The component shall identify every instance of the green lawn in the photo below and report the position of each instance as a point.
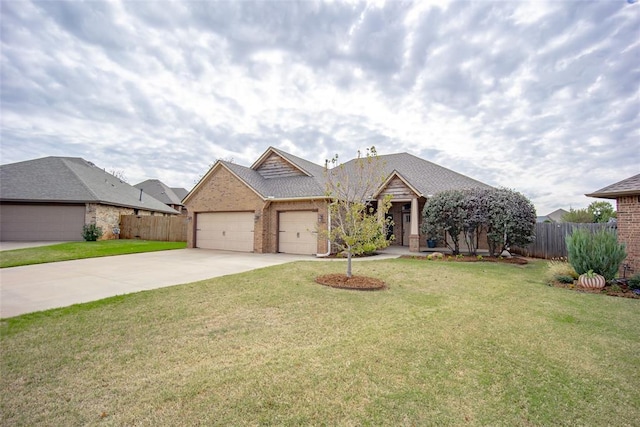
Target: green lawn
(447, 344)
(80, 250)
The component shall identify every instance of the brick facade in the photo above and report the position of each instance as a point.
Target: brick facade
(628, 210)
(224, 192)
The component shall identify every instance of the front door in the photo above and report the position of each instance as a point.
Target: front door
(406, 227)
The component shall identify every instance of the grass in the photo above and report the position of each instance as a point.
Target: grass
(447, 344)
(80, 250)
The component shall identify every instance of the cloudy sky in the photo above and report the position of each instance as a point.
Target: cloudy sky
(541, 97)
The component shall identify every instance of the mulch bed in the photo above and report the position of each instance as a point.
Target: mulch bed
(357, 283)
(620, 291)
(470, 258)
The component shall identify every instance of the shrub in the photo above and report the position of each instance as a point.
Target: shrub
(634, 281)
(91, 232)
(598, 251)
(560, 271)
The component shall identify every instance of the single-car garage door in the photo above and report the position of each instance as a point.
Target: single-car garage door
(297, 232)
(41, 222)
(229, 231)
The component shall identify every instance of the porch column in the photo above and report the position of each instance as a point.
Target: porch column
(414, 237)
(379, 212)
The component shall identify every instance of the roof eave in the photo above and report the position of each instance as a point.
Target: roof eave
(613, 194)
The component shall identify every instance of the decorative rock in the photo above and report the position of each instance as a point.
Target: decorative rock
(505, 254)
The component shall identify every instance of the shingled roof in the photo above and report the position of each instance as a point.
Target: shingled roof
(70, 180)
(425, 177)
(626, 187)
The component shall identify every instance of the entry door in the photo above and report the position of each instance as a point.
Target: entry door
(297, 233)
(406, 227)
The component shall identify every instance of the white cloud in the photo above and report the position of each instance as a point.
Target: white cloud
(538, 96)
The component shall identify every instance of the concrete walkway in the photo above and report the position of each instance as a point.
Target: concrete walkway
(60, 284)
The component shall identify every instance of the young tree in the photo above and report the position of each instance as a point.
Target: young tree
(578, 216)
(601, 211)
(446, 212)
(356, 228)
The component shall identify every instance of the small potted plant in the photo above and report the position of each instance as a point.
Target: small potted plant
(591, 280)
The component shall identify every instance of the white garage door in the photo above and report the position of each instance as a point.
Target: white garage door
(35, 222)
(229, 231)
(297, 232)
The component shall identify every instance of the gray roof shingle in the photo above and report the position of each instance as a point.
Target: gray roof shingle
(158, 190)
(70, 180)
(426, 177)
(626, 187)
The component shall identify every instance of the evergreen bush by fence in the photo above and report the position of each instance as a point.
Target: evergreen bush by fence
(161, 228)
(550, 238)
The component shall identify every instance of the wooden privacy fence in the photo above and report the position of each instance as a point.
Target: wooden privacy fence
(162, 228)
(550, 238)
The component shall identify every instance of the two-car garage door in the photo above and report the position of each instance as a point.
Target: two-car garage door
(41, 222)
(234, 231)
(229, 231)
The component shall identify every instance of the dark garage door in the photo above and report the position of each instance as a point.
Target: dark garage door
(41, 222)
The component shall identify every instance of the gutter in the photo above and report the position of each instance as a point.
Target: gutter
(328, 234)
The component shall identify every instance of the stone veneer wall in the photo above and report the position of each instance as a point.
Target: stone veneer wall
(108, 217)
(628, 210)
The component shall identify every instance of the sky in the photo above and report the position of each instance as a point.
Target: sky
(541, 97)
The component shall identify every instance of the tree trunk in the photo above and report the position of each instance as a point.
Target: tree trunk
(348, 263)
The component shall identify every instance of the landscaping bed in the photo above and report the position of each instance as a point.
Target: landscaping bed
(613, 290)
(468, 258)
(360, 283)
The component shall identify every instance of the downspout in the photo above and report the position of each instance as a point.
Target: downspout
(328, 234)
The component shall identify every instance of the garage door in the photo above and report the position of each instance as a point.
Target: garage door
(297, 232)
(229, 231)
(47, 223)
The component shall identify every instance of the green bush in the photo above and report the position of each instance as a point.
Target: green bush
(91, 232)
(560, 271)
(562, 278)
(634, 281)
(598, 251)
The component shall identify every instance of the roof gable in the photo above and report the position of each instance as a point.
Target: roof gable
(398, 187)
(70, 180)
(276, 166)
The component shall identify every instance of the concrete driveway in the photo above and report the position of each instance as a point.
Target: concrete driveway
(60, 284)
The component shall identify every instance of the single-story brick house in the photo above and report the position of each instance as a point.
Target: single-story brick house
(627, 196)
(52, 198)
(278, 204)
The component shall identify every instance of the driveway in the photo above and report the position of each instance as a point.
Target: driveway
(60, 284)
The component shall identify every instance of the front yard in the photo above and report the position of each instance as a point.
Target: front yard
(445, 344)
(80, 250)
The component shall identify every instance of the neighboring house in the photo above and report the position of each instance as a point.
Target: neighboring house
(52, 198)
(279, 203)
(555, 216)
(627, 196)
(171, 197)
